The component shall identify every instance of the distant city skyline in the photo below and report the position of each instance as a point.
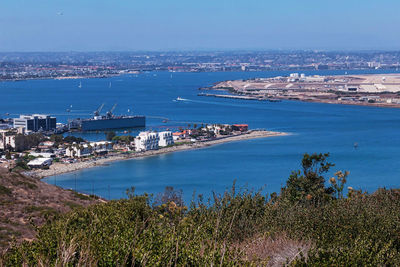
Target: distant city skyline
(159, 25)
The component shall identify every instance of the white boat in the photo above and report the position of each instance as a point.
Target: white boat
(80, 85)
(180, 99)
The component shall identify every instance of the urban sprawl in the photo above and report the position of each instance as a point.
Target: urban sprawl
(21, 66)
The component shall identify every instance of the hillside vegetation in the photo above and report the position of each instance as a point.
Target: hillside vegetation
(310, 222)
(27, 203)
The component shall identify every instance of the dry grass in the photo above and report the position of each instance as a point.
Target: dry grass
(26, 202)
(273, 251)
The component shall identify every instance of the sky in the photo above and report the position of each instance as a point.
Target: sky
(164, 25)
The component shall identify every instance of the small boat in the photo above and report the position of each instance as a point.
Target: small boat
(180, 99)
(356, 145)
(80, 85)
(165, 121)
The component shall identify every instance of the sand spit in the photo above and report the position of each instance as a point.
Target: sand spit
(60, 168)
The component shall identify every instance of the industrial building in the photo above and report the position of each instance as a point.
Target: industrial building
(36, 122)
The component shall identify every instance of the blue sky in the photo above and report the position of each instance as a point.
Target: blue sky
(100, 25)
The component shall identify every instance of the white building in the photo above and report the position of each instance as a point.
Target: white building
(85, 150)
(101, 147)
(40, 162)
(7, 139)
(315, 78)
(166, 139)
(216, 128)
(78, 150)
(147, 141)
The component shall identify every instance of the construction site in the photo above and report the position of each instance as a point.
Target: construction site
(376, 90)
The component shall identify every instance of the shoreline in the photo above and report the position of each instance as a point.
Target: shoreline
(62, 168)
(322, 101)
(372, 90)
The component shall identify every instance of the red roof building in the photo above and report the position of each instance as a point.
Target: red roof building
(240, 127)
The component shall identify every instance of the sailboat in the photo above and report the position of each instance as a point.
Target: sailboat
(80, 85)
(69, 109)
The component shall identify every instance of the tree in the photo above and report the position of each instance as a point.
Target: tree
(72, 139)
(24, 142)
(57, 139)
(22, 164)
(110, 135)
(308, 184)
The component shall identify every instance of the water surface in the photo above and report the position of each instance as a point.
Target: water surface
(257, 163)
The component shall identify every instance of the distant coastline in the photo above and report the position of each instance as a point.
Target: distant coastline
(322, 101)
(378, 90)
(62, 78)
(61, 168)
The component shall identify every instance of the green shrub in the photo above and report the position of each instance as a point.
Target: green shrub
(5, 190)
(357, 230)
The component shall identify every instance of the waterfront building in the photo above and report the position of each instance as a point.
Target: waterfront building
(36, 122)
(147, 141)
(78, 150)
(217, 128)
(166, 139)
(101, 147)
(87, 149)
(177, 135)
(240, 127)
(40, 162)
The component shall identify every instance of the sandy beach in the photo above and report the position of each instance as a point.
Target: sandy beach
(60, 168)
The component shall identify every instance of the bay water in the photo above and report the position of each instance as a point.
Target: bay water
(259, 163)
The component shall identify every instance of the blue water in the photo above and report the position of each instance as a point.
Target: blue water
(256, 163)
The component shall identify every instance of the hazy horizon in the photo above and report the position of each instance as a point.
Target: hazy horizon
(177, 25)
(215, 51)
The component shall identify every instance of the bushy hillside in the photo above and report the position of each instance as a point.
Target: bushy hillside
(309, 222)
(26, 203)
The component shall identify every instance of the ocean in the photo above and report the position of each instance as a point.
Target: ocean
(255, 164)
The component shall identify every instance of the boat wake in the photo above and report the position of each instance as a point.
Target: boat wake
(180, 99)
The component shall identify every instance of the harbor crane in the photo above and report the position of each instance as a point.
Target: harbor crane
(110, 112)
(97, 111)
